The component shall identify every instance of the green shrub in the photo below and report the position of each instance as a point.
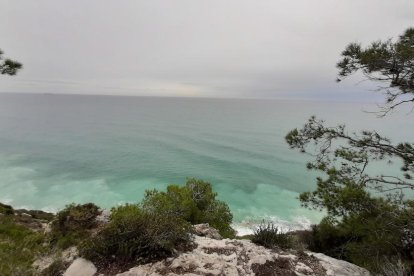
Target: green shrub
(6, 209)
(268, 235)
(195, 202)
(19, 247)
(36, 214)
(368, 238)
(134, 235)
(72, 224)
(55, 269)
(395, 267)
(176, 201)
(328, 239)
(75, 217)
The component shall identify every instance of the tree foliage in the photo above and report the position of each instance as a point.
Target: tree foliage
(8, 66)
(390, 62)
(368, 214)
(369, 219)
(195, 202)
(345, 159)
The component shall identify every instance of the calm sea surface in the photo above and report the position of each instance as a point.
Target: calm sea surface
(58, 149)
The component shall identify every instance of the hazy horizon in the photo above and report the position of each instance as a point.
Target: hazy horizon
(214, 49)
(321, 100)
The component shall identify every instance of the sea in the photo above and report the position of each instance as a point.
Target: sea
(58, 149)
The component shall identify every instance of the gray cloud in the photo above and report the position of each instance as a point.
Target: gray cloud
(230, 48)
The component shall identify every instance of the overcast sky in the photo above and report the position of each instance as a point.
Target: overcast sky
(202, 48)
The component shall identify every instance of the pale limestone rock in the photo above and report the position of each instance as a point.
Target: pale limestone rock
(68, 255)
(224, 257)
(212, 257)
(43, 263)
(335, 267)
(104, 216)
(303, 269)
(242, 258)
(80, 267)
(206, 231)
(47, 227)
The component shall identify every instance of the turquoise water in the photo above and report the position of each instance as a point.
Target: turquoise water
(58, 149)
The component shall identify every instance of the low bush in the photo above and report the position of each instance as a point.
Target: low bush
(57, 268)
(394, 267)
(369, 238)
(268, 235)
(71, 225)
(134, 236)
(195, 202)
(36, 214)
(327, 238)
(6, 209)
(19, 247)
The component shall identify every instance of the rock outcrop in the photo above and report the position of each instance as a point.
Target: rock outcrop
(338, 267)
(242, 257)
(214, 256)
(204, 230)
(81, 267)
(67, 257)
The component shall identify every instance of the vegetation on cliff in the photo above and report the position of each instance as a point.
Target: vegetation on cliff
(135, 236)
(20, 241)
(157, 227)
(195, 203)
(73, 224)
(370, 222)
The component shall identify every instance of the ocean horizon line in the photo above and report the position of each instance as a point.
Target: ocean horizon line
(197, 97)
